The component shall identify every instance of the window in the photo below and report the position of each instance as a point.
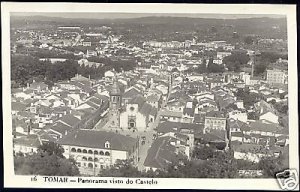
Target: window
(101, 153)
(84, 158)
(131, 108)
(90, 159)
(84, 151)
(96, 159)
(107, 153)
(107, 144)
(78, 150)
(73, 150)
(90, 152)
(96, 152)
(90, 165)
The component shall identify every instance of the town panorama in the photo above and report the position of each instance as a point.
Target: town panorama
(149, 96)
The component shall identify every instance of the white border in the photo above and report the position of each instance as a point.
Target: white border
(10, 180)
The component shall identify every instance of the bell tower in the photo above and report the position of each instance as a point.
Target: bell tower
(115, 103)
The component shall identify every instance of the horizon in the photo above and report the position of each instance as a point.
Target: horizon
(116, 15)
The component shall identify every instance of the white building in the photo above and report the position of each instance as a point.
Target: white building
(94, 150)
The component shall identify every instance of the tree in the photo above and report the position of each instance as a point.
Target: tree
(260, 68)
(271, 165)
(236, 60)
(41, 163)
(214, 68)
(248, 40)
(203, 153)
(122, 168)
(51, 148)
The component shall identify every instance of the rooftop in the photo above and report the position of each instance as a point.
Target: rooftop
(97, 139)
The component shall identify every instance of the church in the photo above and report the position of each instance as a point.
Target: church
(138, 114)
(134, 115)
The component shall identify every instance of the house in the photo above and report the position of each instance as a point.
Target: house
(253, 152)
(59, 129)
(179, 130)
(173, 116)
(269, 116)
(154, 100)
(214, 120)
(215, 126)
(70, 121)
(38, 86)
(26, 145)
(188, 112)
(177, 105)
(263, 127)
(96, 150)
(163, 151)
(238, 115)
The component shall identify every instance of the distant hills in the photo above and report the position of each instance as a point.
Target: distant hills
(264, 26)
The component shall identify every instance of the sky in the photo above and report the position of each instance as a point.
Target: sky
(137, 15)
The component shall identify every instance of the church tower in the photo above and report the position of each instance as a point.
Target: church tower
(115, 103)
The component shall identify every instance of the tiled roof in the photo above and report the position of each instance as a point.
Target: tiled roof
(29, 141)
(131, 93)
(161, 154)
(171, 113)
(215, 114)
(61, 128)
(69, 120)
(168, 126)
(97, 139)
(265, 127)
(18, 106)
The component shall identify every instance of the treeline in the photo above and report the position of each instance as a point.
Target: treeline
(25, 69)
(117, 64)
(264, 60)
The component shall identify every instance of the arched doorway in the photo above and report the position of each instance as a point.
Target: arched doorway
(131, 124)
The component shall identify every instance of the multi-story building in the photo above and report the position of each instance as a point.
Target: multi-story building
(214, 122)
(276, 76)
(94, 150)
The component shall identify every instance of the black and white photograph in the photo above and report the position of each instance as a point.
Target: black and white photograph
(112, 97)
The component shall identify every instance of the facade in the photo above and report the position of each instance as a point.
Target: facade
(138, 115)
(276, 77)
(95, 150)
(216, 123)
